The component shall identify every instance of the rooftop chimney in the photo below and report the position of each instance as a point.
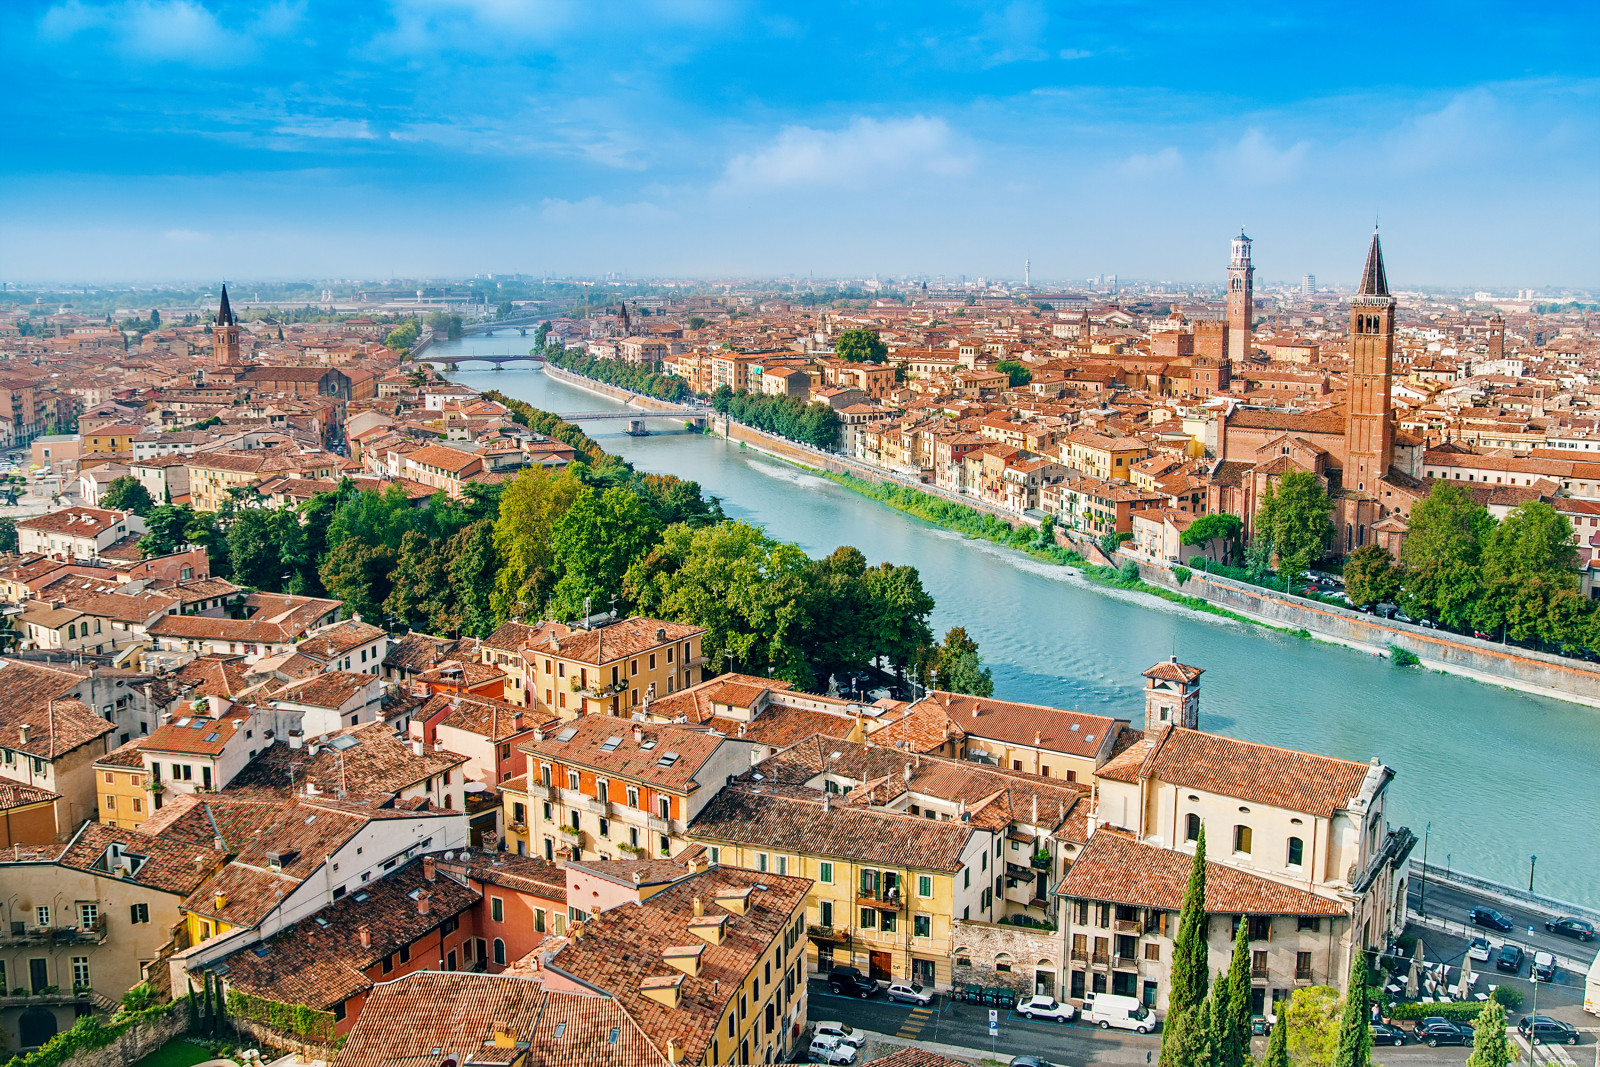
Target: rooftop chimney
(638, 734)
(504, 1036)
(23, 730)
(364, 932)
(699, 907)
(424, 902)
(430, 868)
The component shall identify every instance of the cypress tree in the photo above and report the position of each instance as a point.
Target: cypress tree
(1184, 1039)
(1355, 1029)
(1489, 1045)
(1232, 1027)
(208, 1014)
(194, 1010)
(1278, 1043)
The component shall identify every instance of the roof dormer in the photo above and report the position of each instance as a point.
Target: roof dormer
(663, 988)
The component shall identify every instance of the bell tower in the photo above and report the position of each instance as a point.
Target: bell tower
(1369, 424)
(1241, 298)
(225, 334)
(1497, 336)
(1172, 696)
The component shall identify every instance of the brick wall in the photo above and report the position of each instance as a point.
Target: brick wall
(989, 944)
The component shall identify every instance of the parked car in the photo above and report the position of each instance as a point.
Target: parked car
(849, 982)
(1030, 1061)
(1544, 967)
(1384, 1034)
(1509, 959)
(827, 1050)
(1479, 949)
(1123, 1012)
(1567, 926)
(1435, 1031)
(909, 993)
(1543, 1030)
(841, 1033)
(1042, 1007)
(1490, 918)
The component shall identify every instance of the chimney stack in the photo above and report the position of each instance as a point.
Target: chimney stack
(638, 734)
(365, 933)
(424, 902)
(23, 730)
(699, 907)
(430, 868)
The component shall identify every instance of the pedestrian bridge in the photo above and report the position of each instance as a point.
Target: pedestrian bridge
(636, 417)
(497, 360)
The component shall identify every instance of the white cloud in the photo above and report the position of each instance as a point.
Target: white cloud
(1150, 164)
(168, 30)
(1074, 53)
(333, 129)
(1256, 160)
(867, 152)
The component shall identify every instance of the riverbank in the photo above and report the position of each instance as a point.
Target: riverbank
(1482, 661)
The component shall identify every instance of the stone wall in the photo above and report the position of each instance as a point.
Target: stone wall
(135, 1042)
(1534, 672)
(261, 1033)
(1027, 951)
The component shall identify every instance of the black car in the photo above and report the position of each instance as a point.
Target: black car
(1509, 959)
(1384, 1034)
(1569, 927)
(1435, 1031)
(1490, 918)
(1547, 1031)
(849, 982)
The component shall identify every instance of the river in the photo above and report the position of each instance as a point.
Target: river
(1500, 775)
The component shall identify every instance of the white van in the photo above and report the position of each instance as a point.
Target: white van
(1125, 1013)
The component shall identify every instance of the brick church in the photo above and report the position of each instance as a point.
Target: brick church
(1370, 467)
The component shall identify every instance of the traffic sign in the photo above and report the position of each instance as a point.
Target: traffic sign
(994, 1022)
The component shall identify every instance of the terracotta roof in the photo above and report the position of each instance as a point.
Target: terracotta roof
(78, 521)
(417, 652)
(334, 641)
(369, 760)
(1261, 774)
(617, 640)
(30, 696)
(621, 950)
(1172, 671)
(800, 823)
(16, 795)
(330, 689)
(171, 860)
(643, 757)
(1114, 867)
(213, 675)
(194, 735)
(1074, 733)
(429, 1016)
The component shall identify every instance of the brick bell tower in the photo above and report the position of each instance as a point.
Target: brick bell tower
(225, 334)
(1241, 298)
(1172, 696)
(1369, 424)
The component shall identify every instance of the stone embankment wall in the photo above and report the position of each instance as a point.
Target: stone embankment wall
(1517, 668)
(134, 1043)
(615, 392)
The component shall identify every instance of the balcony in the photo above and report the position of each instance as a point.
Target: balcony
(601, 808)
(1124, 963)
(1101, 959)
(55, 999)
(1258, 974)
(658, 825)
(538, 791)
(20, 934)
(882, 901)
(817, 932)
(1081, 955)
(1129, 926)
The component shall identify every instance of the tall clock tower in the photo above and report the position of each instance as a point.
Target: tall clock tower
(1241, 298)
(225, 334)
(1369, 425)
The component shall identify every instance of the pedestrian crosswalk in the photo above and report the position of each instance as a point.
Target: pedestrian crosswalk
(1547, 1055)
(912, 1027)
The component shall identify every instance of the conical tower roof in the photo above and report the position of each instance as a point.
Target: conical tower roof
(1374, 282)
(225, 311)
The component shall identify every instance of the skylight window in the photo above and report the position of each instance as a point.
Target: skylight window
(611, 744)
(567, 735)
(667, 759)
(362, 897)
(342, 743)
(561, 1028)
(1073, 727)
(211, 737)
(648, 744)
(182, 722)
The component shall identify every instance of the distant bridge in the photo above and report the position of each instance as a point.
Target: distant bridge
(641, 413)
(511, 322)
(456, 361)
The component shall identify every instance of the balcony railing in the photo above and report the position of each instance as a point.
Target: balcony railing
(1081, 954)
(658, 825)
(1125, 963)
(1101, 959)
(19, 934)
(881, 901)
(828, 933)
(538, 791)
(599, 807)
(1129, 926)
(1259, 974)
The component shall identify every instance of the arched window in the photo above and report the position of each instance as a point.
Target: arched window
(72, 630)
(1297, 852)
(1002, 962)
(1241, 839)
(1191, 827)
(500, 952)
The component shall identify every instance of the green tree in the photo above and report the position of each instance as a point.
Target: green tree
(594, 543)
(960, 668)
(359, 574)
(696, 322)
(1354, 1048)
(1231, 1025)
(1370, 576)
(8, 536)
(898, 609)
(1533, 542)
(165, 529)
(1312, 1022)
(254, 551)
(127, 493)
(1184, 1039)
(1278, 1046)
(1209, 530)
(860, 346)
(1442, 554)
(1489, 1045)
(1294, 518)
(420, 595)
(529, 509)
(1016, 372)
(474, 564)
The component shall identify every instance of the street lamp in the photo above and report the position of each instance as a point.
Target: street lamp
(1532, 862)
(1422, 895)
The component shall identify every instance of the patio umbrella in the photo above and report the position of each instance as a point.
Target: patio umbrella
(1412, 976)
(1464, 990)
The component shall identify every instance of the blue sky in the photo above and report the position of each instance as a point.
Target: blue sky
(193, 139)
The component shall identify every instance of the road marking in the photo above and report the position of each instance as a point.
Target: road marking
(1547, 1053)
(914, 1023)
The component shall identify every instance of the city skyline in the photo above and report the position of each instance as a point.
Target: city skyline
(432, 138)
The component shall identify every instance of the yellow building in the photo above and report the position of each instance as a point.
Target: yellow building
(1105, 457)
(886, 886)
(123, 785)
(608, 668)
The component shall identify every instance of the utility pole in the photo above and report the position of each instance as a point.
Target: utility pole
(1422, 895)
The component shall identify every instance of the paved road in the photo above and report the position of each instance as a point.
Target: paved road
(1071, 1043)
(1452, 904)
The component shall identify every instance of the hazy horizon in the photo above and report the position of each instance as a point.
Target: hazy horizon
(684, 139)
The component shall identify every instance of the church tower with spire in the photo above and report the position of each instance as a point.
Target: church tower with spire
(225, 334)
(1241, 298)
(1369, 422)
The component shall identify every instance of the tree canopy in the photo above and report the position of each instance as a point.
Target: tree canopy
(1293, 518)
(860, 346)
(127, 493)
